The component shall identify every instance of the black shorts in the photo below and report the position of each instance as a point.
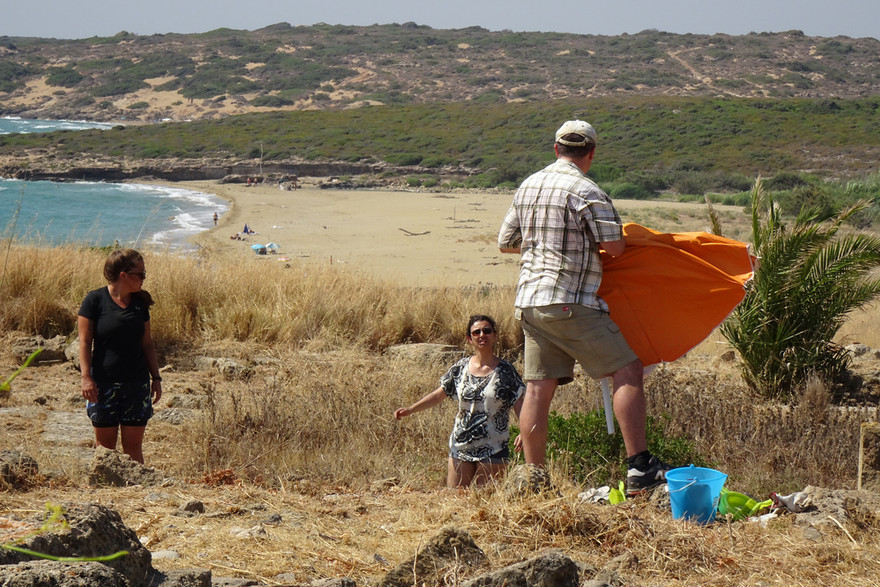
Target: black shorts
(121, 404)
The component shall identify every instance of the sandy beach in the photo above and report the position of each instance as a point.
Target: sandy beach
(410, 238)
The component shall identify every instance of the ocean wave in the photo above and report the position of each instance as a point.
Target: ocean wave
(16, 124)
(188, 221)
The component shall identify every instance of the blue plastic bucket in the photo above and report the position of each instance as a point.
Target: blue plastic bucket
(694, 492)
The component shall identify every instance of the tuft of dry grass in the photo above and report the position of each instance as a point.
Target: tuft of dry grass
(200, 300)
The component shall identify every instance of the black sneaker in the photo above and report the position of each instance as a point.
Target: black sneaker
(641, 481)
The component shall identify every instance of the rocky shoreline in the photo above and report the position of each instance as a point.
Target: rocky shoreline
(35, 169)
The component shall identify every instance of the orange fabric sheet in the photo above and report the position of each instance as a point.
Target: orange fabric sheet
(668, 292)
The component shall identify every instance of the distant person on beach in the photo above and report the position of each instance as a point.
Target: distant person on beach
(557, 222)
(216, 218)
(120, 371)
(486, 388)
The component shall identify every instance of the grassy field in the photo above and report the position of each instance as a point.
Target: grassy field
(327, 330)
(306, 428)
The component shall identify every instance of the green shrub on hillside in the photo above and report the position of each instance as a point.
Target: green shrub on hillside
(271, 101)
(10, 74)
(404, 158)
(66, 77)
(630, 191)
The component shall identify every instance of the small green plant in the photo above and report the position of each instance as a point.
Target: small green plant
(581, 443)
(6, 386)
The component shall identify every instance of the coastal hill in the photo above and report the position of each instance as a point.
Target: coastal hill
(332, 67)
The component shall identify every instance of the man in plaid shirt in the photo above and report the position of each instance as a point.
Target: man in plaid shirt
(558, 221)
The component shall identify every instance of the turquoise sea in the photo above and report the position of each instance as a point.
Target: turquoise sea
(98, 213)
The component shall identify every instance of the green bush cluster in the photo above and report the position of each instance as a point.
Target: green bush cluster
(581, 445)
(66, 77)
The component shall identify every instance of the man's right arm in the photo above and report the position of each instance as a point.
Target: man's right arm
(510, 237)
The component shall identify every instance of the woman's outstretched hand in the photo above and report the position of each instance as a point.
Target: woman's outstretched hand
(400, 413)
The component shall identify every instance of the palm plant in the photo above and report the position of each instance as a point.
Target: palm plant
(808, 281)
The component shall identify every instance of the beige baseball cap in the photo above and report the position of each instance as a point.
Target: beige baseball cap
(576, 127)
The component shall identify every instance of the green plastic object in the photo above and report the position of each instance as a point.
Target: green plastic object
(616, 496)
(740, 505)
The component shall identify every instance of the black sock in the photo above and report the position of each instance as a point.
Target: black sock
(639, 461)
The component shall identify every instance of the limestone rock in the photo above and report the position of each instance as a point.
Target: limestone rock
(857, 349)
(617, 568)
(59, 574)
(549, 569)
(449, 547)
(16, 469)
(341, 582)
(71, 353)
(53, 349)
(93, 530)
(109, 467)
(525, 480)
(181, 578)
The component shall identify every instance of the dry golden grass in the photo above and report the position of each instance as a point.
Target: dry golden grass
(306, 432)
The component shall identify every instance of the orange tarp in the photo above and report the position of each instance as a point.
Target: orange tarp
(668, 292)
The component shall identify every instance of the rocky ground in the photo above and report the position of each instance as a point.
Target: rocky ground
(214, 528)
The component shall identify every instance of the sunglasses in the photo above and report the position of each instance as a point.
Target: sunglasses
(485, 330)
(141, 274)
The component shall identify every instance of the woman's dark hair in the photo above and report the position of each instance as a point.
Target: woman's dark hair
(479, 318)
(125, 260)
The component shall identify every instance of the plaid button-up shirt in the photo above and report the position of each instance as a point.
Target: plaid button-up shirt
(557, 218)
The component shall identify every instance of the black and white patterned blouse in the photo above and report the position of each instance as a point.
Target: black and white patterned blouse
(484, 404)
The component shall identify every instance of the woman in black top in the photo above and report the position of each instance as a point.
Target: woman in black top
(120, 372)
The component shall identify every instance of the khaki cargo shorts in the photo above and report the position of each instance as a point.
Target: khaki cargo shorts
(558, 335)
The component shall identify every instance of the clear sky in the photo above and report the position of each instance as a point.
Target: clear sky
(77, 19)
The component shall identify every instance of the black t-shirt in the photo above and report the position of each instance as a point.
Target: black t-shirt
(117, 355)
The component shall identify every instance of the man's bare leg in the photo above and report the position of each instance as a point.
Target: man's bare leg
(533, 419)
(630, 407)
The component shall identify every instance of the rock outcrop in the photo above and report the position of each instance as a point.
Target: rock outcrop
(91, 531)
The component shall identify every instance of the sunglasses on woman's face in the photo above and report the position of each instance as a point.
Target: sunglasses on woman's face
(141, 274)
(485, 330)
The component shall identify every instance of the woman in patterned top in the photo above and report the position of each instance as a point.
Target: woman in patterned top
(486, 388)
